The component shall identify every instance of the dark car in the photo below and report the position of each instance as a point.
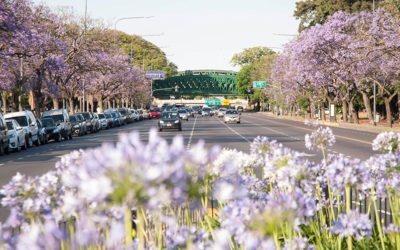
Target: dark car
(53, 131)
(61, 119)
(169, 120)
(117, 119)
(240, 109)
(77, 123)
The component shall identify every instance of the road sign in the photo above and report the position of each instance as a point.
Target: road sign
(155, 74)
(259, 84)
(213, 102)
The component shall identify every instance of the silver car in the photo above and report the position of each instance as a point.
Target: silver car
(183, 114)
(232, 115)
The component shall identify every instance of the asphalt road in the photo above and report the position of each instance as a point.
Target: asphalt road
(38, 160)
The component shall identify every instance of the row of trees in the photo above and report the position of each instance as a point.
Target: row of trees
(341, 62)
(52, 58)
(340, 57)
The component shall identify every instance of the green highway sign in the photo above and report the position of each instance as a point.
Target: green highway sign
(213, 102)
(259, 84)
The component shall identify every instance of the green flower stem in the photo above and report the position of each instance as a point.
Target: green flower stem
(377, 220)
(348, 203)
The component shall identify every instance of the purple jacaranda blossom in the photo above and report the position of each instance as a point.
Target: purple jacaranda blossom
(387, 142)
(353, 224)
(186, 237)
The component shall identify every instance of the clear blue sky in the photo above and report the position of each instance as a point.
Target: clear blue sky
(197, 34)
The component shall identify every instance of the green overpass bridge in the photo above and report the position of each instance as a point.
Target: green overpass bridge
(196, 83)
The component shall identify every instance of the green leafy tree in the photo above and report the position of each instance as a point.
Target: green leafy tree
(146, 55)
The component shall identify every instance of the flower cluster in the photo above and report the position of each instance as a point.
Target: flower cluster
(387, 142)
(256, 199)
(353, 224)
(320, 138)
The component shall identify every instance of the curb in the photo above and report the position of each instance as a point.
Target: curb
(363, 127)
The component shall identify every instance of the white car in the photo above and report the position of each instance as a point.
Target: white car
(16, 133)
(221, 112)
(183, 114)
(232, 115)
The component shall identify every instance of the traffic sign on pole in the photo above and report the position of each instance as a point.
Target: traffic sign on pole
(259, 84)
(155, 74)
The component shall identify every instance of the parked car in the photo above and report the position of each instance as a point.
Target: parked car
(27, 120)
(183, 114)
(16, 133)
(90, 121)
(4, 138)
(43, 136)
(169, 120)
(103, 121)
(77, 124)
(117, 119)
(155, 112)
(83, 122)
(52, 130)
(240, 109)
(110, 120)
(61, 118)
(232, 115)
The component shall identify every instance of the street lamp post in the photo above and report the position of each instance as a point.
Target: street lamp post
(126, 18)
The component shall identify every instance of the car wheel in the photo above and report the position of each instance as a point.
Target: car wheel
(25, 146)
(30, 142)
(1, 149)
(37, 143)
(58, 138)
(180, 128)
(160, 129)
(18, 146)
(70, 136)
(238, 122)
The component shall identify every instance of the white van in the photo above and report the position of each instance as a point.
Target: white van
(27, 120)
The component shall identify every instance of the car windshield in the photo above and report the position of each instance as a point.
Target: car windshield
(86, 115)
(155, 110)
(182, 111)
(233, 112)
(57, 118)
(48, 122)
(10, 125)
(169, 115)
(102, 116)
(21, 120)
(73, 118)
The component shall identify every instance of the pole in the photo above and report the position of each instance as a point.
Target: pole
(125, 18)
(374, 104)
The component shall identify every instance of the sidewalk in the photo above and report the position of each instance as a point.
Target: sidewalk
(364, 125)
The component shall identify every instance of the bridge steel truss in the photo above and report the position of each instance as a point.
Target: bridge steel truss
(193, 83)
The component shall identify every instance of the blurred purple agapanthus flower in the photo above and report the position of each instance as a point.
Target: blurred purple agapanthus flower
(352, 224)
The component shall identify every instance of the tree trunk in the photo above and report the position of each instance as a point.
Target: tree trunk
(388, 110)
(71, 105)
(367, 104)
(354, 113)
(33, 103)
(344, 111)
(55, 103)
(4, 102)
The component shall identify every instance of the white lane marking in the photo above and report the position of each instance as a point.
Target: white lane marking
(1, 164)
(191, 134)
(234, 131)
